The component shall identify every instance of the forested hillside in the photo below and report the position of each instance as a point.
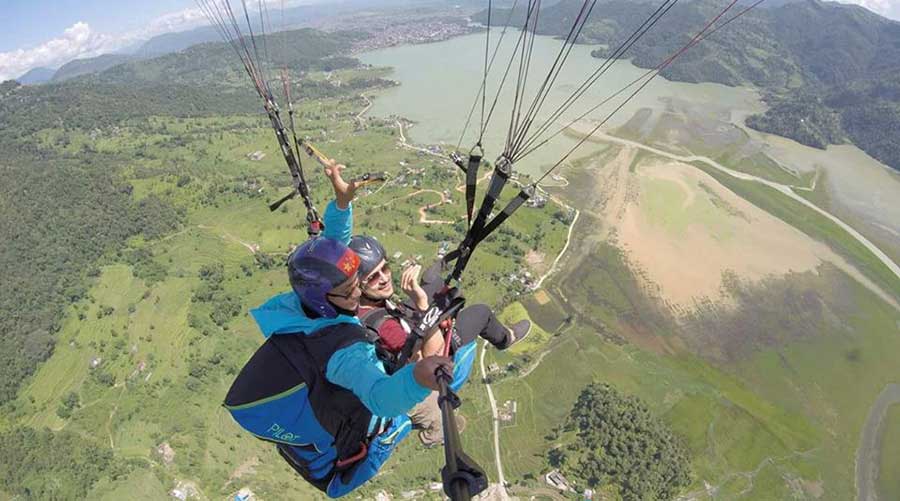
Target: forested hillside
(612, 441)
(830, 71)
(73, 213)
(64, 203)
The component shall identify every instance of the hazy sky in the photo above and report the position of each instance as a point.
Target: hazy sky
(887, 8)
(52, 32)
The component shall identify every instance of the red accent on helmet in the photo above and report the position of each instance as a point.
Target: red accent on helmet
(348, 263)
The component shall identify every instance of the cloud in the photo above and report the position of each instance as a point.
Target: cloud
(80, 41)
(886, 8)
(174, 21)
(76, 41)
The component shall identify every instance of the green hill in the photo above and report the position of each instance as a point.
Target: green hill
(90, 65)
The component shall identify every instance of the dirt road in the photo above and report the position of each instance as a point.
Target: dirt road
(867, 456)
(498, 490)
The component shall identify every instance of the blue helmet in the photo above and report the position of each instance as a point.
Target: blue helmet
(370, 252)
(317, 266)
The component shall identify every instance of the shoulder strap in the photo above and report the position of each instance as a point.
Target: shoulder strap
(372, 321)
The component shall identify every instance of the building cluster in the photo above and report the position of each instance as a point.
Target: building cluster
(507, 412)
(556, 480)
(523, 278)
(538, 201)
(387, 32)
(410, 177)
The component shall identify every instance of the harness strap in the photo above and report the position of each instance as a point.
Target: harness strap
(507, 211)
(374, 319)
(471, 182)
(499, 178)
(343, 463)
(314, 226)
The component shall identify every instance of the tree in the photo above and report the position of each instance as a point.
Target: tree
(620, 442)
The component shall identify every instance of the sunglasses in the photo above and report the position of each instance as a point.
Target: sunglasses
(384, 270)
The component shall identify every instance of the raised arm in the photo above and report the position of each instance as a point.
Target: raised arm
(338, 217)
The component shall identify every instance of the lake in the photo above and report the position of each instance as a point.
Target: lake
(439, 83)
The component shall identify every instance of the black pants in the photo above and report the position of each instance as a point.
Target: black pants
(472, 321)
(479, 320)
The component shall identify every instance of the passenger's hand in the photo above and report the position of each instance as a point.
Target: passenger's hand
(426, 369)
(409, 282)
(344, 192)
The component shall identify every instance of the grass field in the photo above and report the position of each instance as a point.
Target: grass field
(779, 424)
(667, 204)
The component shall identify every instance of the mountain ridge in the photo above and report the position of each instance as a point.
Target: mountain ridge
(36, 76)
(79, 67)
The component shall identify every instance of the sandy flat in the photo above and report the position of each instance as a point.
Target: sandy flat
(714, 231)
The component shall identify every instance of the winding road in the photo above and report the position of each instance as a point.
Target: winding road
(867, 456)
(498, 489)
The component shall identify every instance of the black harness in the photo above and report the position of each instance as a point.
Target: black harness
(373, 319)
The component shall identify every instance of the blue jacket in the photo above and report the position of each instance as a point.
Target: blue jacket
(355, 367)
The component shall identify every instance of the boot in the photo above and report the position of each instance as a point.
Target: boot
(517, 332)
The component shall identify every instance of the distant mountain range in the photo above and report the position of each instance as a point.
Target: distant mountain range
(36, 76)
(86, 66)
(830, 72)
(167, 43)
(174, 42)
